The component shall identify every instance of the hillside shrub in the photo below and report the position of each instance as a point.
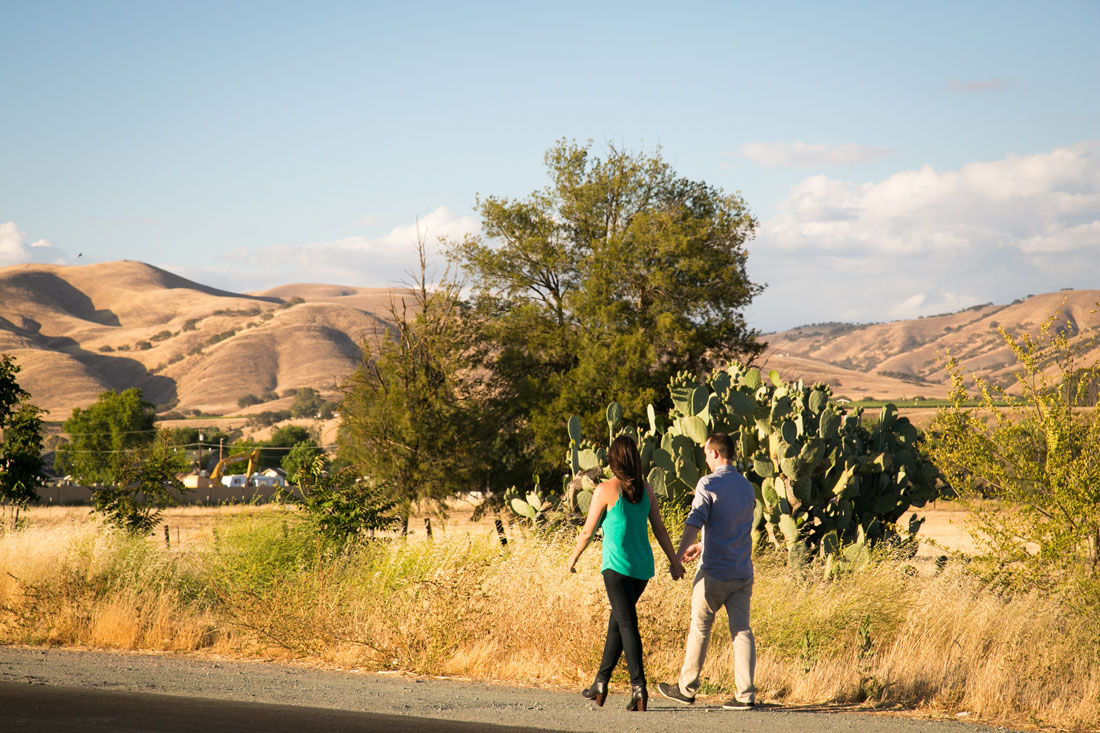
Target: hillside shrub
(307, 402)
(267, 418)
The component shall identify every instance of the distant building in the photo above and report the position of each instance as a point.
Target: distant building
(268, 478)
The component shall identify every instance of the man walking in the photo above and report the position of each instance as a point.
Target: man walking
(723, 509)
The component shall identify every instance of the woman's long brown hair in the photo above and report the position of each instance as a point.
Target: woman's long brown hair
(626, 465)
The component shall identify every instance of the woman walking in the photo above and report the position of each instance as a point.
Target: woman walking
(624, 504)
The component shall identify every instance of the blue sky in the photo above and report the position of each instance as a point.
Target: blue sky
(903, 159)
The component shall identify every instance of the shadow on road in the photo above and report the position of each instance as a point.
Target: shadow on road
(25, 707)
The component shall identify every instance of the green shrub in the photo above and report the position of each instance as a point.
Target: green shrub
(1038, 455)
(342, 506)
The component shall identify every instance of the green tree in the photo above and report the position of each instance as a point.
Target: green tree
(102, 434)
(274, 449)
(21, 467)
(206, 438)
(307, 403)
(11, 394)
(300, 458)
(142, 483)
(290, 435)
(1039, 458)
(605, 284)
(282, 442)
(411, 415)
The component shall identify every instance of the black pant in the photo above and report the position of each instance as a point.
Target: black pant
(622, 627)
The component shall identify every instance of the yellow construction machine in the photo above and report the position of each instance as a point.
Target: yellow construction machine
(215, 477)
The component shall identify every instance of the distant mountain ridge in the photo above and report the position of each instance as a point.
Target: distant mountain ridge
(79, 330)
(906, 358)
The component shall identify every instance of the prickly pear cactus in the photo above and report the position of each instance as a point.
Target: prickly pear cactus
(826, 483)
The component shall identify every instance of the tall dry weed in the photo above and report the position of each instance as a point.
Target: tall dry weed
(89, 586)
(463, 605)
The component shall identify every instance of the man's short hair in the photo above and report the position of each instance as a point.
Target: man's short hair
(721, 443)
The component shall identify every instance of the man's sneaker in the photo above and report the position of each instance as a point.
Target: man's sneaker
(735, 704)
(672, 692)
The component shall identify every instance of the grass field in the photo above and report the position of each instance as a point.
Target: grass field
(254, 582)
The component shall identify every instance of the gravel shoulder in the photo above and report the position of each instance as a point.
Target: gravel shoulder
(418, 697)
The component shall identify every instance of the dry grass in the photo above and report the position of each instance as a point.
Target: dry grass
(462, 605)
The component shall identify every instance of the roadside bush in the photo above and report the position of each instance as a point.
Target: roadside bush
(143, 483)
(1037, 455)
(342, 506)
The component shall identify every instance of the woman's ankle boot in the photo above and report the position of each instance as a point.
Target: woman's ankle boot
(597, 692)
(638, 698)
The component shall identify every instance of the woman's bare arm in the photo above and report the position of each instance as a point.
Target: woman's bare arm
(676, 568)
(600, 501)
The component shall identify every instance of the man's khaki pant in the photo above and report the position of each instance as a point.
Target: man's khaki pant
(707, 596)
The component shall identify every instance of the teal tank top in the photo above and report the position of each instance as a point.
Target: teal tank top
(626, 548)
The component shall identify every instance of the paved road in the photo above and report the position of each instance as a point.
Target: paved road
(27, 707)
(56, 690)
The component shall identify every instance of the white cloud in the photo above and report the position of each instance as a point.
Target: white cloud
(356, 261)
(14, 249)
(806, 155)
(925, 241)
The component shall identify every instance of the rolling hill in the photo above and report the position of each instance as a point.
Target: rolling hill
(905, 359)
(79, 330)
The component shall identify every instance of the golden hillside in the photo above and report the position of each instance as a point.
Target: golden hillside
(77, 331)
(905, 359)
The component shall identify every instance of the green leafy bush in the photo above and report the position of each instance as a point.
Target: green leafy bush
(342, 506)
(1038, 455)
(142, 484)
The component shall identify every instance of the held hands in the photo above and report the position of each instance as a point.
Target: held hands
(676, 569)
(693, 552)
